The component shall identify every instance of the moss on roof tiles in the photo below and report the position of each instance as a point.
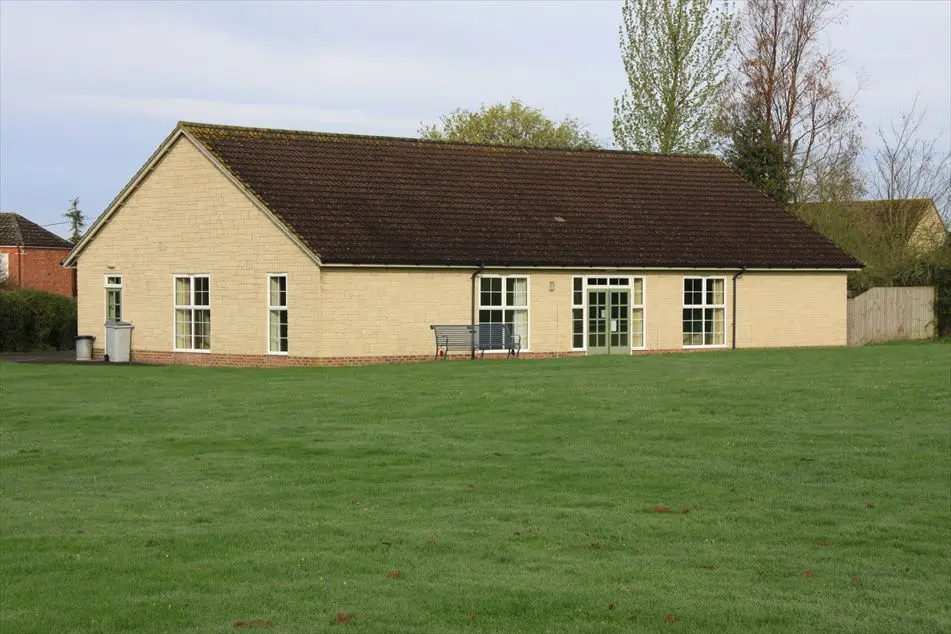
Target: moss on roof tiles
(362, 199)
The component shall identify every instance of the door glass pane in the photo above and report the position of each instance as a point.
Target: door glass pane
(113, 304)
(597, 319)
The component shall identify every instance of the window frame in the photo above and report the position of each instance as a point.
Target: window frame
(275, 307)
(583, 306)
(112, 286)
(504, 306)
(704, 306)
(608, 279)
(191, 306)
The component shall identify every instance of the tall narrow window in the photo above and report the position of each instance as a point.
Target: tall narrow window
(577, 313)
(277, 314)
(192, 312)
(637, 312)
(114, 298)
(504, 300)
(4, 267)
(704, 311)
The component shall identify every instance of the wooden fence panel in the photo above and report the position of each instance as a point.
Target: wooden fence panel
(890, 314)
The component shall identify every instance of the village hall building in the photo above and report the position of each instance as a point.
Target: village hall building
(247, 246)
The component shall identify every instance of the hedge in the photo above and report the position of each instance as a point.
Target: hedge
(34, 320)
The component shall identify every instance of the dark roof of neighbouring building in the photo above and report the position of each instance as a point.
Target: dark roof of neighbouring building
(876, 218)
(380, 200)
(17, 231)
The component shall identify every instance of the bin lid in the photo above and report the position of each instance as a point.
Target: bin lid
(118, 324)
(83, 337)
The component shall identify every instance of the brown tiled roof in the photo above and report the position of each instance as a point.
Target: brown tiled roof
(17, 231)
(378, 200)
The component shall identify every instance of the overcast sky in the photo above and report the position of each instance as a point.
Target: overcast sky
(89, 90)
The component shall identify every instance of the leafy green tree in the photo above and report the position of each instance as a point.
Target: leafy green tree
(77, 221)
(674, 54)
(509, 124)
(759, 158)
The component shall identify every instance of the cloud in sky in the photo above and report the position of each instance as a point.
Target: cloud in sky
(87, 90)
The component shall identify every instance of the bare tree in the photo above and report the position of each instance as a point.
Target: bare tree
(785, 73)
(909, 170)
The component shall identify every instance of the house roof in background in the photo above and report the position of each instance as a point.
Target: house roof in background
(875, 217)
(17, 231)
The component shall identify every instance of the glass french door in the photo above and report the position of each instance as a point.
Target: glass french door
(609, 322)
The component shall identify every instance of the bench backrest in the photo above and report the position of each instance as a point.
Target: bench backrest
(495, 336)
(482, 336)
(456, 336)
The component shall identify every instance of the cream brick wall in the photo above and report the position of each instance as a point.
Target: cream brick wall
(186, 217)
(384, 312)
(929, 234)
(791, 309)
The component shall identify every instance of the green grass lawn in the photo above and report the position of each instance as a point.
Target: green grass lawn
(808, 491)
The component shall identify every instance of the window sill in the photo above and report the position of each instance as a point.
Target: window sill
(188, 350)
(703, 346)
(277, 354)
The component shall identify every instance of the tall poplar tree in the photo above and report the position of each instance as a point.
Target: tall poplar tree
(674, 54)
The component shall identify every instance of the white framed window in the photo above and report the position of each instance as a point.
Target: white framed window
(4, 267)
(277, 313)
(577, 313)
(504, 300)
(114, 298)
(704, 316)
(192, 313)
(637, 313)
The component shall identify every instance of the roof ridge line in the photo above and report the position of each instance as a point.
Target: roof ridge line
(403, 139)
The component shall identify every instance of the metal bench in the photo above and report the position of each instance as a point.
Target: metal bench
(480, 337)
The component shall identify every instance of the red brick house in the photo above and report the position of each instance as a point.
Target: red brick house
(31, 257)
